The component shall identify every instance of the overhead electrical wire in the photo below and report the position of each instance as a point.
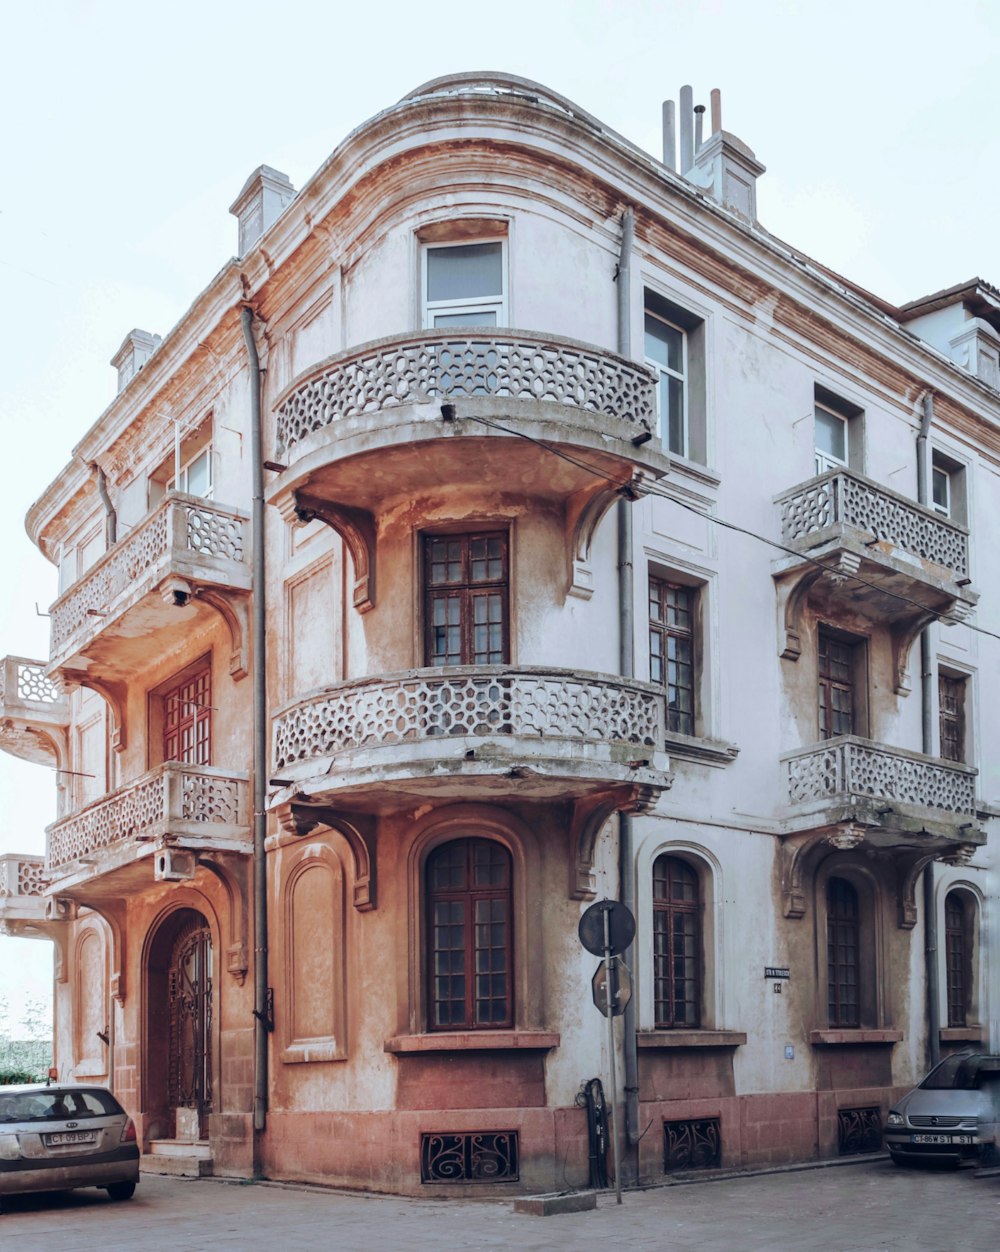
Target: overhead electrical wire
(653, 489)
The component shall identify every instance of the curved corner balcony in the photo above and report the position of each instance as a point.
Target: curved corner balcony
(416, 414)
(887, 557)
(22, 894)
(187, 559)
(34, 715)
(152, 828)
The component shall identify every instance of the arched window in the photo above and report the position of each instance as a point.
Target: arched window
(677, 945)
(469, 948)
(843, 953)
(958, 956)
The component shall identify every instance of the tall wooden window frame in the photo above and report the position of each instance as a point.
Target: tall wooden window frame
(843, 954)
(466, 598)
(678, 975)
(958, 956)
(841, 684)
(469, 898)
(673, 615)
(952, 690)
(187, 717)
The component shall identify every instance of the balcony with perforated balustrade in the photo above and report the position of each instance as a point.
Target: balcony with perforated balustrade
(567, 425)
(187, 560)
(154, 828)
(34, 714)
(23, 883)
(581, 744)
(854, 544)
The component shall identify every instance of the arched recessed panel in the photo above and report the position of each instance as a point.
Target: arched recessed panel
(90, 982)
(314, 962)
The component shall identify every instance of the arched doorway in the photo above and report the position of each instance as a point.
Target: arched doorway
(180, 1027)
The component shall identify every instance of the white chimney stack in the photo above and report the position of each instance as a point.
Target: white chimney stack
(263, 199)
(137, 347)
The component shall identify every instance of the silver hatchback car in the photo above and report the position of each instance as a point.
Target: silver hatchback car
(59, 1137)
(953, 1115)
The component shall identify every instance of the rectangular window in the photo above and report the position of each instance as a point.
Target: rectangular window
(941, 491)
(467, 599)
(843, 953)
(948, 492)
(676, 944)
(667, 352)
(958, 959)
(838, 433)
(951, 712)
(841, 687)
(464, 284)
(671, 649)
(187, 719)
(195, 477)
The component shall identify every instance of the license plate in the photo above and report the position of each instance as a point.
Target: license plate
(71, 1136)
(942, 1139)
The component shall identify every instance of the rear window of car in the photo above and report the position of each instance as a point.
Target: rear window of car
(959, 1073)
(48, 1106)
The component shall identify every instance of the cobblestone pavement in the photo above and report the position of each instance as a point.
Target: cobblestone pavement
(837, 1209)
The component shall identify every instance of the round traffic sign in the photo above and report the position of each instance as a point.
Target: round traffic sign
(620, 929)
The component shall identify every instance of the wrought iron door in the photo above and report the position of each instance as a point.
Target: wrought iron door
(190, 987)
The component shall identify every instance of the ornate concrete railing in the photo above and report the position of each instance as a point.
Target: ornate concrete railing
(848, 766)
(440, 365)
(158, 802)
(22, 875)
(23, 682)
(840, 496)
(469, 700)
(183, 526)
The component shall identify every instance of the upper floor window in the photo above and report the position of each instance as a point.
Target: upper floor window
(467, 599)
(469, 903)
(951, 714)
(958, 955)
(675, 349)
(837, 432)
(672, 609)
(195, 477)
(842, 693)
(187, 718)
(677, 944)
(464, 284)
(948, 487)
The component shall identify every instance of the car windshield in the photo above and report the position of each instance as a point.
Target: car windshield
(56, 1106)
(957, 1073)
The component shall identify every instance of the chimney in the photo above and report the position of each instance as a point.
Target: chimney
(721, 165)
(137, 347)
(261, 202)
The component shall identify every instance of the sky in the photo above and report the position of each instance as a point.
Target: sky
(130, 129)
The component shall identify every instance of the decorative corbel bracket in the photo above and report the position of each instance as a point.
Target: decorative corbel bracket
(793, 593)
(306, 819)
(113, 912)
(585, 510)
(112, 691)
(234, 873)
(799, 852)
(233, 609)
(355, 526)
(587, 819)
(904, 635)
(908, 870)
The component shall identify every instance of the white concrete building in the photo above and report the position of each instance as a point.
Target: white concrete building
(592, 543)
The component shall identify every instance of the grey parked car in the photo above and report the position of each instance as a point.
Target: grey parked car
(953, 1115)
(59, 1137)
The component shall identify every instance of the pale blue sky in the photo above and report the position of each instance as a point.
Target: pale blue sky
(129, 130)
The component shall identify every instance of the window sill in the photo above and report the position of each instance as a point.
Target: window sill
(694, 748)
(973, 1033)
(853, 1038)
(304, 1053)
(690, 1038)
(474, 1041)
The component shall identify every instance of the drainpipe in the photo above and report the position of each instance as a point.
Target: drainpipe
(626, 636)
(109, 508)
(261, 1014)
(927, 743)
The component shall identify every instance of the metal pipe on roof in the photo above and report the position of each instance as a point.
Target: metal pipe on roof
(669, 135)
(699, 125)
(687, 128)
(715, 100)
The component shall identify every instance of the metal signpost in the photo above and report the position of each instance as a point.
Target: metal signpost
(606, 929)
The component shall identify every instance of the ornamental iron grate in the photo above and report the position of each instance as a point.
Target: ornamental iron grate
(859, 1130)
(692, 1144)
(471, 1156)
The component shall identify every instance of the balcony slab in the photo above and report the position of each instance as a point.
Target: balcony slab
(34, 714)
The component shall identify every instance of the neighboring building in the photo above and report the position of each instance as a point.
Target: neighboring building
(643, 582)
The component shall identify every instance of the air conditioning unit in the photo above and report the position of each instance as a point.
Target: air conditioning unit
(172, 865)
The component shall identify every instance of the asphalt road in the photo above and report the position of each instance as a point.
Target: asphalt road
(837, 1209)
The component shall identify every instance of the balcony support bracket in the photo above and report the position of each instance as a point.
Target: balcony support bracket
(588, 818)
(585, 510)
(112, 691)
(800, 854)
(359, 833)
(233, 872)
(233, 610)
(356, 527)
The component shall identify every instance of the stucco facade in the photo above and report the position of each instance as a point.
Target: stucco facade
(595, 565)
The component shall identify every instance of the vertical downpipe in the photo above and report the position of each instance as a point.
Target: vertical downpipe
(927, 746)
(626, 637)
(261, 1019)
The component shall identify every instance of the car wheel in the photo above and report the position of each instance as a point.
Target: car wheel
(121, 1190)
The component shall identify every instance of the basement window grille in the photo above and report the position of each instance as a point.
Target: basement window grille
(475, 1156)
(859, 1131)
(694, 1144)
